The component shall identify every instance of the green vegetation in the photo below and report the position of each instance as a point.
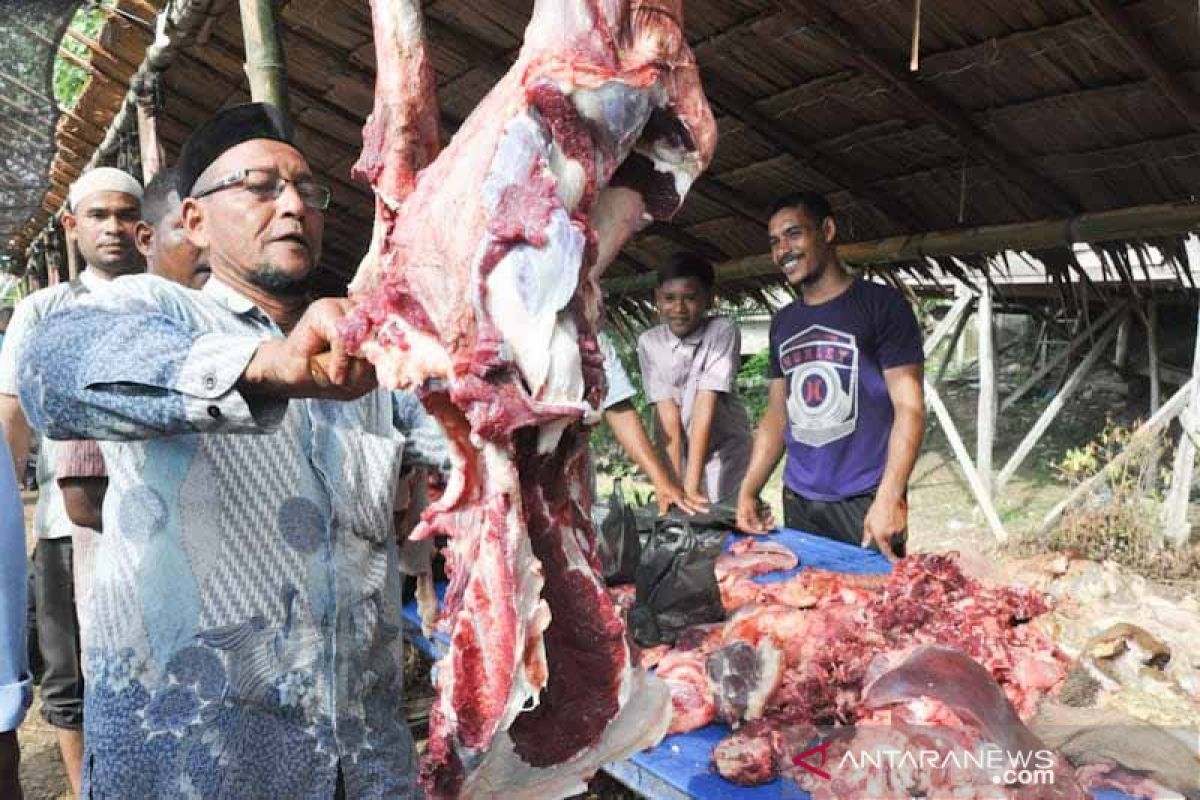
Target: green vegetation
(1119, 521)
(70, 79)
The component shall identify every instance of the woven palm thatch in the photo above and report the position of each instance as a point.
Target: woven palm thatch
(1018, 112)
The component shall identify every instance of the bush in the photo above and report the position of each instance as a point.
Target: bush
(1119, 521)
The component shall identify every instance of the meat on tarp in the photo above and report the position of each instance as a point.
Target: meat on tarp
(481, 292)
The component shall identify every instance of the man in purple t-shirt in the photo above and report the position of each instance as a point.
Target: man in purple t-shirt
(846, 395)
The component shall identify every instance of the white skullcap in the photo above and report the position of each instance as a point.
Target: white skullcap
(103, 179)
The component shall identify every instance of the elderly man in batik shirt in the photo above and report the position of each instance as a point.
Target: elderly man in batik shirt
(246, 598)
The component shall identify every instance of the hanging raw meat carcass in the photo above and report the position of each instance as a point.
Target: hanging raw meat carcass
(481, 292)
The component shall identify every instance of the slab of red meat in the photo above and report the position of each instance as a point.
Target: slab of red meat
(855, 628)
(481, 292)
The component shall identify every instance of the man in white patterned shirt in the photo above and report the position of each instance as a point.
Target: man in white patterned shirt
(104, 209)
(246, 597)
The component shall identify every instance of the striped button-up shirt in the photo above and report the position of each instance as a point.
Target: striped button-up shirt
(245, 610)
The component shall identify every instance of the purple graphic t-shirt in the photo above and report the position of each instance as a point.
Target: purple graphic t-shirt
(839, 413)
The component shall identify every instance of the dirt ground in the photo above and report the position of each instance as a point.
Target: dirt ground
(943, 516)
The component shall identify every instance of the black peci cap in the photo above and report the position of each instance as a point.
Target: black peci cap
(228, 128)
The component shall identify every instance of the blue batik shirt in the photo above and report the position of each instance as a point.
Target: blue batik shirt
(246, 602)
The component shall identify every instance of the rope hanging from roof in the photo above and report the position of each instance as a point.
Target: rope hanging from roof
(914, 63)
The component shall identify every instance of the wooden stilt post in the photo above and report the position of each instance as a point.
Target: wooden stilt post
(986, 430)
(264, 56)
(1121, 356)
(1175, 523)
(974, 479)
(1152, 344)
(1056, 405)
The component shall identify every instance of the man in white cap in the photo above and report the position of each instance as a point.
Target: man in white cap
(104, 207)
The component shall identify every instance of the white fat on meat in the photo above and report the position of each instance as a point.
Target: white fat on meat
(639, 725)
(525, 293)
(423, 357)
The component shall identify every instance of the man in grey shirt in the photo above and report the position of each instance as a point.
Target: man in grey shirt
(689, 371)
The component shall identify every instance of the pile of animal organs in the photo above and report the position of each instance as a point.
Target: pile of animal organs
(480, 291)
(798, 653)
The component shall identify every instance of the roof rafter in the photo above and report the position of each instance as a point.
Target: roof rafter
(842, 38)
(1148, 57)
(741, 105)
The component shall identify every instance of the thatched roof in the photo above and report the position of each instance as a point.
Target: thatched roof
(1018, 112)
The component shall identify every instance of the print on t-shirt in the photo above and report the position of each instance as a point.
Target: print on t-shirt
(821, 366)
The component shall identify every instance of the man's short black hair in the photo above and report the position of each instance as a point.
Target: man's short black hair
(688, 265)
(813, 204)
(157, 198)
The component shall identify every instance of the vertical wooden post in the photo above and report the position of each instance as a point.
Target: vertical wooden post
(153, 159)
(264, 66)
(1152, 344)
(986, 430)
(72, 256)
(1121, 356)
(1175, 523)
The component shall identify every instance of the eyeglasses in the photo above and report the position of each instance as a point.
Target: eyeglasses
(266, 184)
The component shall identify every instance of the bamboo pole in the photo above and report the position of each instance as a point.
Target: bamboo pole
(1056, 405)
(952, 348)
(986, 423)
(1138, 222)
(264, 66)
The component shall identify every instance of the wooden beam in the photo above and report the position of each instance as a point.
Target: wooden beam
(1121, 355)
(1148, 429)
(985, 431)
(1175, 511)
(1148, 57)
(844, 39)
(96, 49)
(958, 311)
(1152, 353)
(952, 346)
(1067, 352)
(1056, 405)
(982, 497)
(265, 65)
(1139, 222)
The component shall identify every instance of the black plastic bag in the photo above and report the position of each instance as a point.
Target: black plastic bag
(676, 577)
(619, 545)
